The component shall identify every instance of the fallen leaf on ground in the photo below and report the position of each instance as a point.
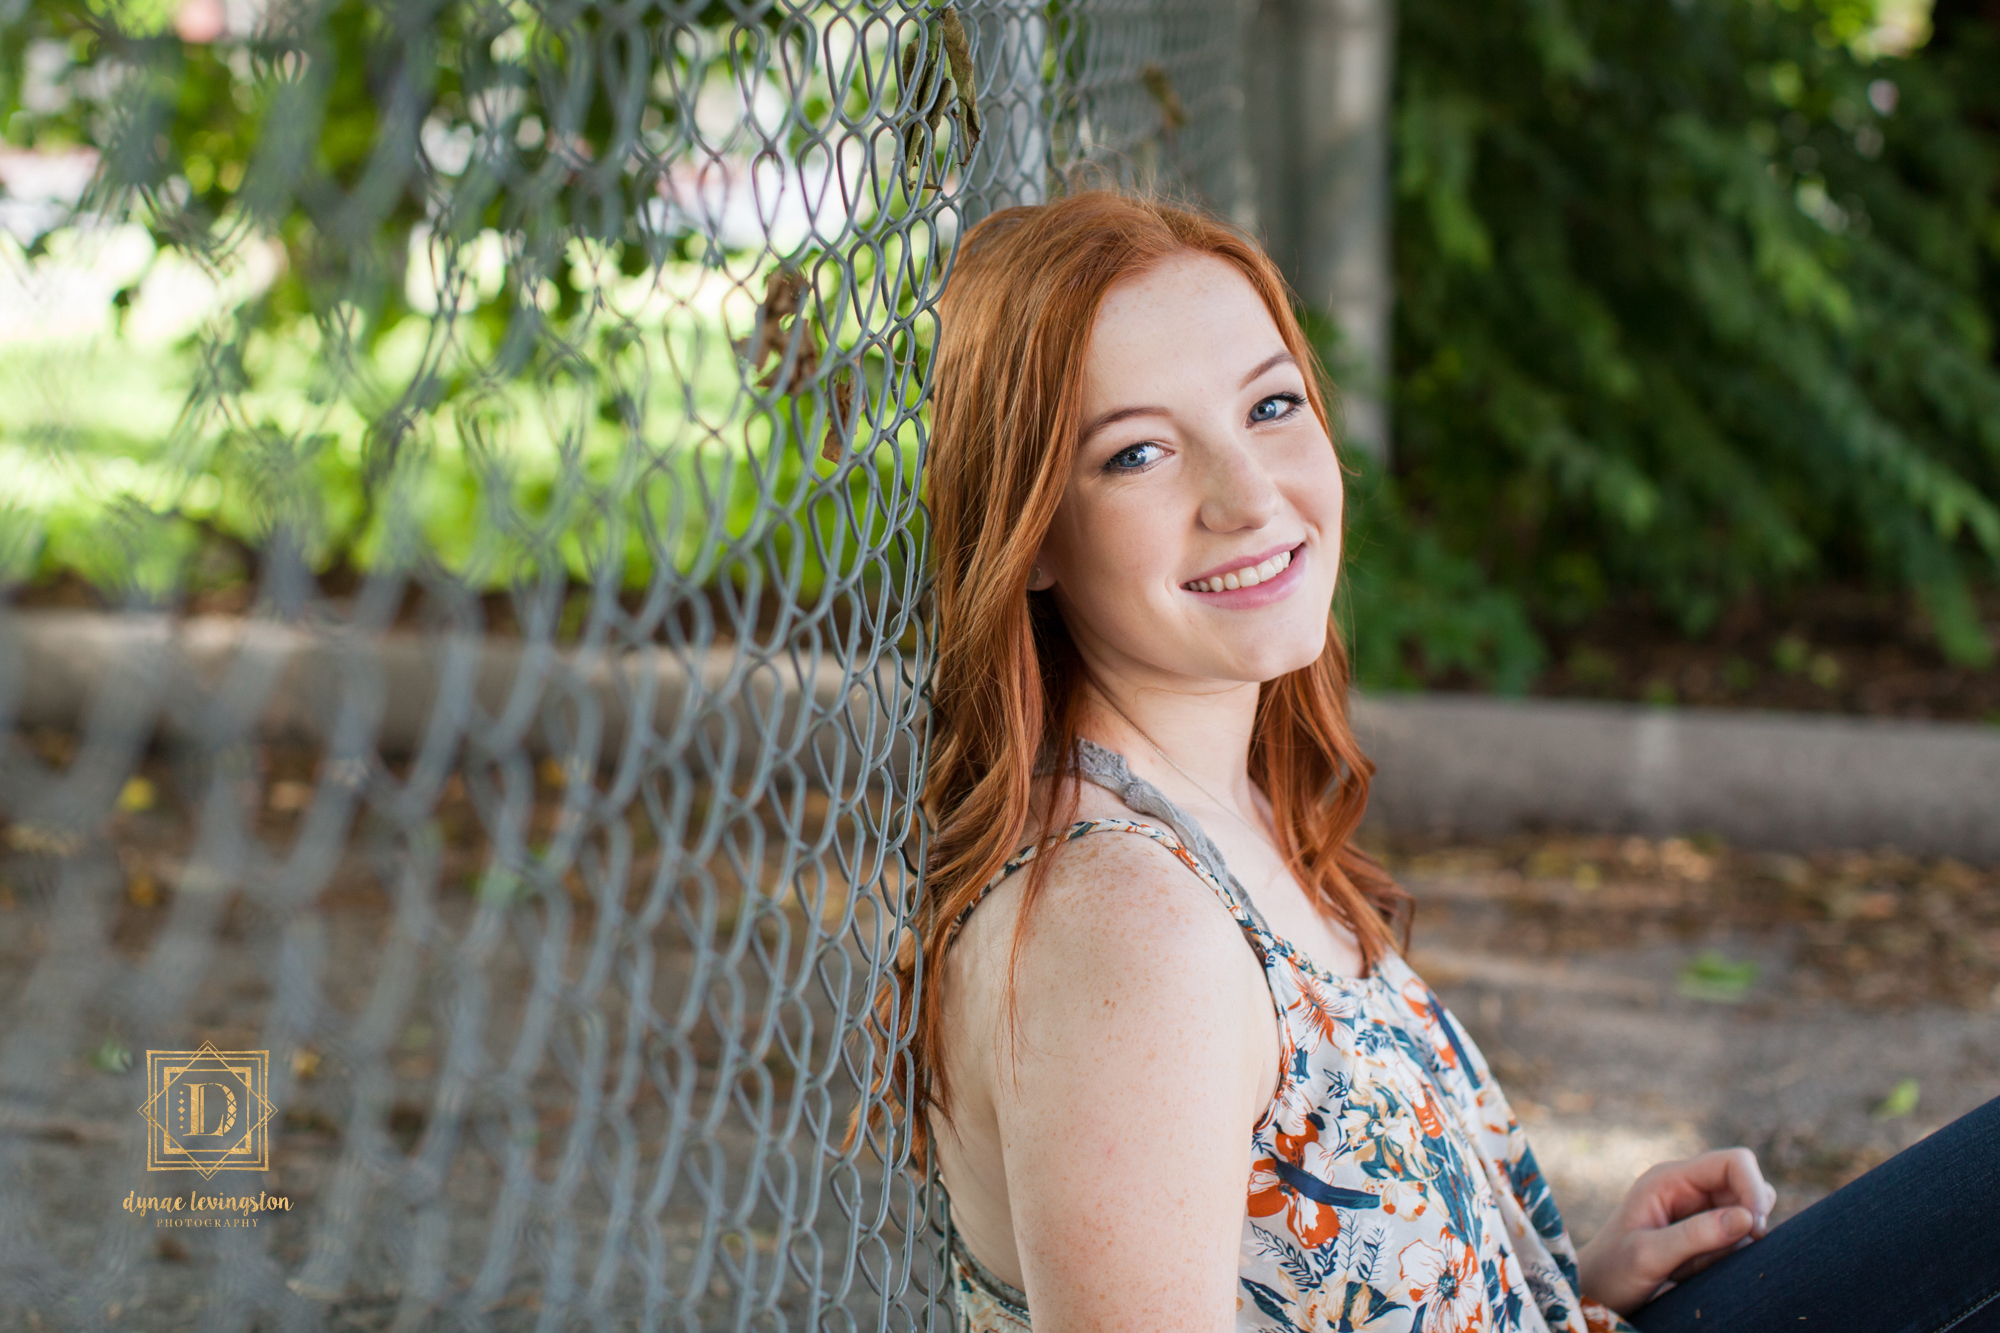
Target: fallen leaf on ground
(136, 795)
(1718, 978)
(1901, 1101)
(113, 1057)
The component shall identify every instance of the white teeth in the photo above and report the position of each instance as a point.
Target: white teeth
(1248, 577)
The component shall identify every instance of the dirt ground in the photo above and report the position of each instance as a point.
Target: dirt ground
(1647, 1000)
(496, 1097)
(1639, 1000)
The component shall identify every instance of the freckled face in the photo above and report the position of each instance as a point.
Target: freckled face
(1199, 536)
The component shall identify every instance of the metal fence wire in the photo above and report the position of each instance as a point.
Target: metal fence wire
(462, 657)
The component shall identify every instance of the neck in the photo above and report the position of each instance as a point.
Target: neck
(1194, 744)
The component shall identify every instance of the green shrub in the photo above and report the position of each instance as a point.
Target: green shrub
(1414, 611)
(1695, 299)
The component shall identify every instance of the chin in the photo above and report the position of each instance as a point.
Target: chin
(1265, 660)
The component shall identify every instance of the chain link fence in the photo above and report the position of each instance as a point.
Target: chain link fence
(462, 661)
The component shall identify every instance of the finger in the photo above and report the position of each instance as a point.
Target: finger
(1718, 1179)
(1701, 1261)
(1749, 1188)
(1766, 1203)
(1705, 1236)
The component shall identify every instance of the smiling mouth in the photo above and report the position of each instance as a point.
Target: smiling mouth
(1249, 576)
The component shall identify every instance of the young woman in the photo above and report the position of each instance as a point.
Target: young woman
(1174, 1069)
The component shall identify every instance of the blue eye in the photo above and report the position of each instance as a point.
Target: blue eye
(1133, 458)
(1275, 408)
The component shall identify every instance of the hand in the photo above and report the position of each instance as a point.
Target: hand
(1676, 1220)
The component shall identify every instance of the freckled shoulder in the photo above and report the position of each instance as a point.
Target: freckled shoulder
(1117, 911)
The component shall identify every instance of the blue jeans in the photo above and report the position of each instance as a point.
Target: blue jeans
(1911, 1247)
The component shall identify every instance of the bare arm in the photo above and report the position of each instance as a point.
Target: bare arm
(1145, 1051)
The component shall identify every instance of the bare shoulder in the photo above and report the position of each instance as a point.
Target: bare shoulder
(1120, 922)
(1104, 1116)
(1129, 889)
(1127, 1060)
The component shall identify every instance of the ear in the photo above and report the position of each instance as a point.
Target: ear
(1039, 578)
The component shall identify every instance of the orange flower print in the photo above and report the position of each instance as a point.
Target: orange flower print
(1317, 1012)
(1428, 1115)
(1293, 1147)
(1314, 1224)
(1267, 1192)
(1403, 1197)
(1309, 1222)
(1424, 1004)
(1309, 1152)
(1444, 1277)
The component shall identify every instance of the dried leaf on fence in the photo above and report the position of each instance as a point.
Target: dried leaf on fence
(804, 364)
(1173, 115)
(784, 297)
(925, 82)
(840, 417)
(958, 49)
(783, 291)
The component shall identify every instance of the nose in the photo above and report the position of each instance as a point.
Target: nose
(1238, 494)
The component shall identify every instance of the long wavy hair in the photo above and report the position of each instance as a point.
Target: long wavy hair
(1008, 690)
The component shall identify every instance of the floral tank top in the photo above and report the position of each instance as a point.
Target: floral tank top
(1390, 1187)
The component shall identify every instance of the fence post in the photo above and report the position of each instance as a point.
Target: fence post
(1318, 134)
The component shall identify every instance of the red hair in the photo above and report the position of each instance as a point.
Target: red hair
(1007, 692)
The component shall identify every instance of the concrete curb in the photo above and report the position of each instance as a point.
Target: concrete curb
(1785, 782)
(1465, 765)
(216, 681)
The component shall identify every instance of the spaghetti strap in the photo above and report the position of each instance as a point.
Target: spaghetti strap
(1166, 837)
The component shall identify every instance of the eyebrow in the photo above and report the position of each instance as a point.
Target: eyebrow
(1280, 359)
(1117, 415)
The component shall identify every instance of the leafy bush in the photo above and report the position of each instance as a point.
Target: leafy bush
(1413, 610)
(1695, 299)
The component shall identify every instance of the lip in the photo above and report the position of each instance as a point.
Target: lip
(1262, 594)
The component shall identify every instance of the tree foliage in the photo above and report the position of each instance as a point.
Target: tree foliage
(1698, 299)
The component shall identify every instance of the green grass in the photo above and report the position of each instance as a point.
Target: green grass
(648, 444)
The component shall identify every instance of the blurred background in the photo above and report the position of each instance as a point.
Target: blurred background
(461, 607)
(1689, 377)
(1667, 333)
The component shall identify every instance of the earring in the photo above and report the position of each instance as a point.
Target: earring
(1034, 577)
